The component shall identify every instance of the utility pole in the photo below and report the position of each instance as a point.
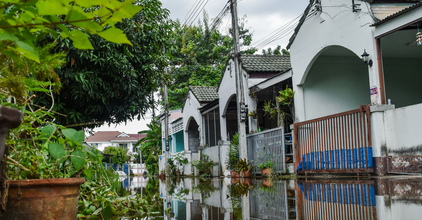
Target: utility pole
(241, 107)
(240, 96)
(166, 126)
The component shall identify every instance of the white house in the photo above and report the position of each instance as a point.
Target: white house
(102, 139)
(355, 116)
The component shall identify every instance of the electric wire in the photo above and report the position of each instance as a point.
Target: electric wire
(199, 12)
(194, 12)
(184, 19)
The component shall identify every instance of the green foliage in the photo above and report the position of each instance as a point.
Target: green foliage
(21, 21)
(205, 187)
(233, 154)
(243, 166)
(284, 99)
(276, 51)
(266, 164)
(150, 145)
(199, 57)
(114, 82)
(204, 165)
(120, 155)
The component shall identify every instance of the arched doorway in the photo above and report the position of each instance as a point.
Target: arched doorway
(231, 117)
(337, 81)
(193, 136)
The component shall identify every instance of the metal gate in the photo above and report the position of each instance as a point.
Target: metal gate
(339, 143)
(268, 146)
(270, 204)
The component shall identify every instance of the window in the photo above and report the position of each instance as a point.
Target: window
(124, 146)
(212, 127)
(95, 145)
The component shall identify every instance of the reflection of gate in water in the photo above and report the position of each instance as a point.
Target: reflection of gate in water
(268, 146)
(335, 199)
(269, 204)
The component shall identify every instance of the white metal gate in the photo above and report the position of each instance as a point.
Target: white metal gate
(268, 146)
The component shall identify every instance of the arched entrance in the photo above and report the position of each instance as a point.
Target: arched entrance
(193, 135)
(231, 117)
(337, 81)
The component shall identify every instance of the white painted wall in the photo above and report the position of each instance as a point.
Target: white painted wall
(335, 84)
(388, 208)
(336, 26)
(403, 127)
(190, 110)
(227, 89)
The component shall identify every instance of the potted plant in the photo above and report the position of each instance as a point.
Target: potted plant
(266, 168)
(204, 165)
(252, 114)
(243, 168)
(233, 155)
(181, 160)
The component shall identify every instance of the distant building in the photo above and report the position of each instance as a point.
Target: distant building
(102, 139)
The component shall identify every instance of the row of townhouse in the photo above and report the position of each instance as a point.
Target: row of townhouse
(356, 71)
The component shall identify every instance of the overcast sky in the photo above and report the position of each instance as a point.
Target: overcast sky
(263, 16)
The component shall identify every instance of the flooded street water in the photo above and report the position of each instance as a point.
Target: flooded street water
(226, 199)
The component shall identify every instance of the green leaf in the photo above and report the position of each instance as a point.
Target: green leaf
(88, 174)
(78, 159)
(126, 11)
(115, 35)
(51, 8)
(56, 150)
(106, 212)
(72, 134)
(47, 131)
(91, 26)
(80, 40)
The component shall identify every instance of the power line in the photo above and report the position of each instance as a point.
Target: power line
(184, 19)
(199, 12)
(193, 11)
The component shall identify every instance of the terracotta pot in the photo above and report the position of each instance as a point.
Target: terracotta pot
(267, 182)
(234, 174)
(177, 173)
(43, 199)
(246, 174)
(266, 172)
(244, 181)
(162, 176)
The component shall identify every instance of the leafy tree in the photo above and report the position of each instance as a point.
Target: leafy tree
(151, 145)
(120, 155)
(114, 82)
(277, 51)
(24, 22)
(199, 56)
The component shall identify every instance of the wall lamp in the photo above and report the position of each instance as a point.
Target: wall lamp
(365, 58)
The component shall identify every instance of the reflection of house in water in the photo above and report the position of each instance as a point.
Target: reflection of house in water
(359, 199)
(212, 200)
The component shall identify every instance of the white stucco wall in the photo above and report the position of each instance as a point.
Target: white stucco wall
(403, 127)
(395, 210)
(190, 110)
(335, 26)
(335, 84)
(227, 89)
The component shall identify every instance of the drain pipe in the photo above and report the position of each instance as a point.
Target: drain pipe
(9, 118)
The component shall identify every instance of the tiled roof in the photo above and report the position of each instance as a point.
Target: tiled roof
(106, 136)
(390, 17)
(102, 136)
(204, 93)
(265, 63)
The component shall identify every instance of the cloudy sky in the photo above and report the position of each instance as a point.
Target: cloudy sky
(263, 16)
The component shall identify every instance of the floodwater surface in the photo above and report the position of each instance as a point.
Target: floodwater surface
(391, 198)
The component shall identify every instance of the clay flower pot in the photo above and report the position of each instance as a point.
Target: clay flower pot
(267, 182)
(243, 181)
(234, 174)
(162, 176)
(43, 199)
(266, 172)
(246, 174)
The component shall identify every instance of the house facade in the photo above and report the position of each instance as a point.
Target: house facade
(103, 139)
(351, 115)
